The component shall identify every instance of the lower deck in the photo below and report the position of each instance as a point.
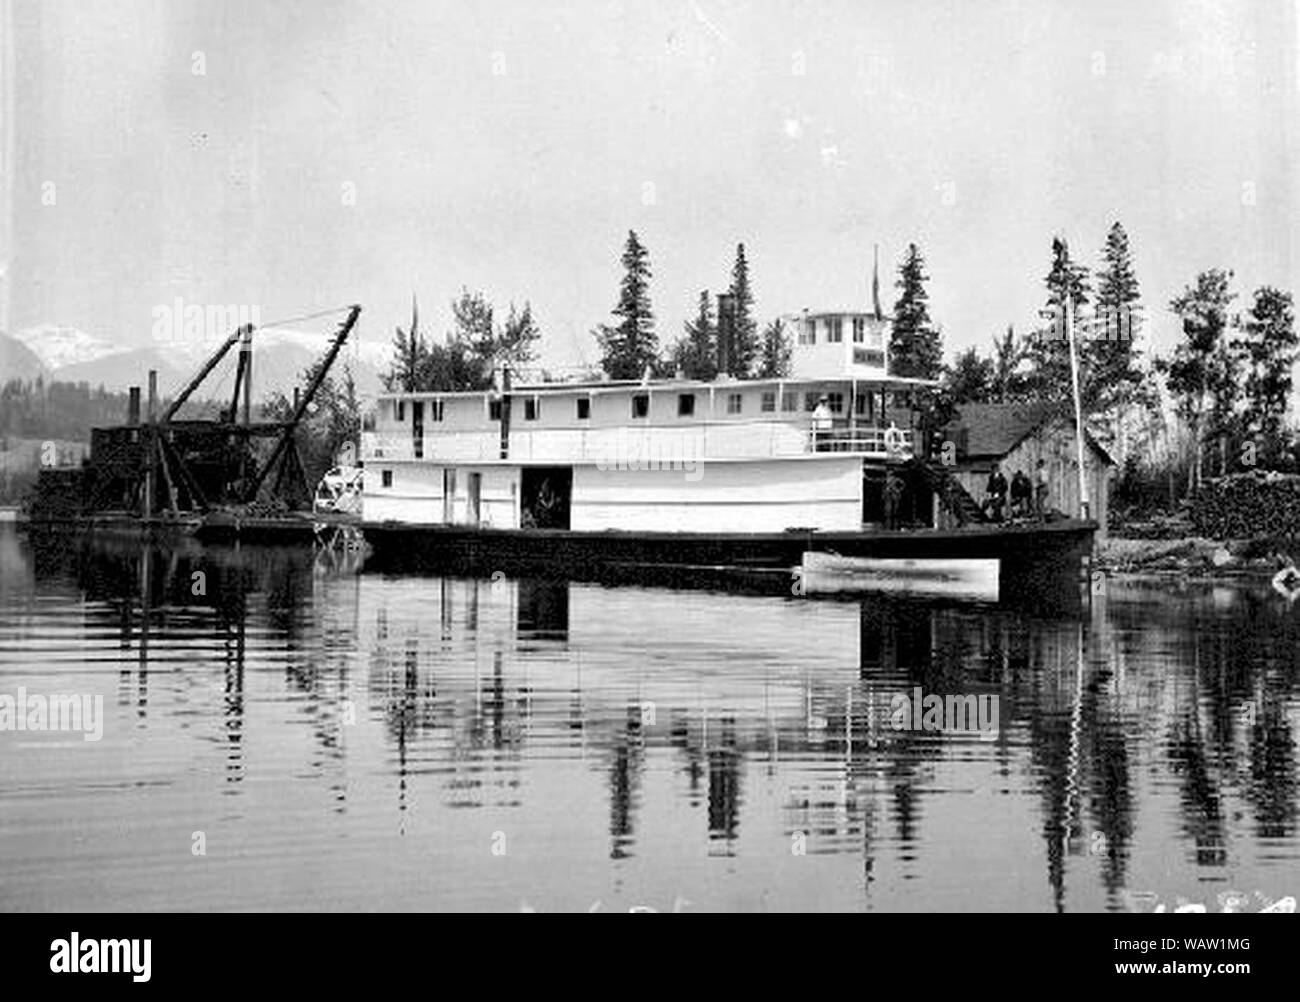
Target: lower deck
(826, 492)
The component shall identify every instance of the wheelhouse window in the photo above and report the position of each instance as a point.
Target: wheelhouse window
(734, 402)
(584, 408)
(769, 403)
(685, 404)
(532, 407)
(435, 410)
(835, 330)
(859, 329)
(494, 410)
(808, 332)
(386, 478)
(640, 405)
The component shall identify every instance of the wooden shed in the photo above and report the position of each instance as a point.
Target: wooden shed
(1017, 436)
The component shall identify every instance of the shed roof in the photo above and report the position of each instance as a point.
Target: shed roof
(993, 430)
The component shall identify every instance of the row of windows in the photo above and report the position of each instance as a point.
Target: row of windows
(641, 406)
(834, 327)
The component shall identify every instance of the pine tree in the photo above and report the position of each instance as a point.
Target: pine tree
(631, 346)
(774, 359)
(1112, 355)
(1268, 351)
(1048, 347)
(696, 353)
(745, 346)
(915, 346)
(409, 354)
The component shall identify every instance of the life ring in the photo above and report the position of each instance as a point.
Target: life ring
(894, 440)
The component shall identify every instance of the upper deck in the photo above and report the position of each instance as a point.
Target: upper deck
(655, 421)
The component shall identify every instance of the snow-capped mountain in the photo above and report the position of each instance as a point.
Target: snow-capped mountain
(57, 347)
(279, 358)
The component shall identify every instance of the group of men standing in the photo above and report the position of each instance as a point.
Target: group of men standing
(1027, 498)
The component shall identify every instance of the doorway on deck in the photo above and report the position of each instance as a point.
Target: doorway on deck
(545, 496)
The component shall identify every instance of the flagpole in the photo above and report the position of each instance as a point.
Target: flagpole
(1078, 405)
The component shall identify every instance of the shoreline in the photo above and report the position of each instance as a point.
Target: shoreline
(1196, 558)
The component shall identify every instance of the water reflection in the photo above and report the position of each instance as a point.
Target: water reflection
(1144, 744)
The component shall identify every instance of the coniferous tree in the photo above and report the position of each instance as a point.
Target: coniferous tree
(1048, 348)
(745, 346)
(409, 353)
(774, 360)
(630, 346)
(915, 345)
(696, 352)
(1268, 350)
(1114, 379)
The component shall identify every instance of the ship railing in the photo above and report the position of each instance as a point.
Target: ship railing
(621, 445)
(869, 440)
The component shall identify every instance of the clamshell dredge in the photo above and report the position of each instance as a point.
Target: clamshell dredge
(225, 478)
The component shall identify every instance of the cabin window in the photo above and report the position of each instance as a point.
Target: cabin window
(640, 405)
(386, 478)
(685, 404)
(859, 329)
(868, 356)
(494, 410)
(734, 401)
(401, 410)
(584, 408)
(435, 410)
(860, 404)
(835, 330)
(769, 403)
(836, 402)
(810, 401)
(532, 407)
(808, 332)
(790, 402)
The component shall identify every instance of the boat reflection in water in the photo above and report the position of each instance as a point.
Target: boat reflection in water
(441, 743)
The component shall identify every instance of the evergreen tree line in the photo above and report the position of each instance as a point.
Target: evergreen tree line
(630, 346)
(1228, 379)
(57, 410)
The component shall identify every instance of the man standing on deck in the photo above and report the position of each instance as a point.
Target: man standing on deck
(1022, 495)
(1040, 490)
(822, 423)
(995, 493)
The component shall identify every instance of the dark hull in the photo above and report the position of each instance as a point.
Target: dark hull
(216, 527)
(1033, 557)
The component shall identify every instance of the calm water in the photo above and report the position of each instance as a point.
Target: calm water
(355, 741)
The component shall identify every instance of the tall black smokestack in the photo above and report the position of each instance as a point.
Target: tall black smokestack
(726, 331)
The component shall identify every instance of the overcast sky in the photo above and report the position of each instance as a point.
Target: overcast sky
(510, 146)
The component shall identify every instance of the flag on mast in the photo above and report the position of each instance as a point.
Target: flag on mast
(875, 283)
